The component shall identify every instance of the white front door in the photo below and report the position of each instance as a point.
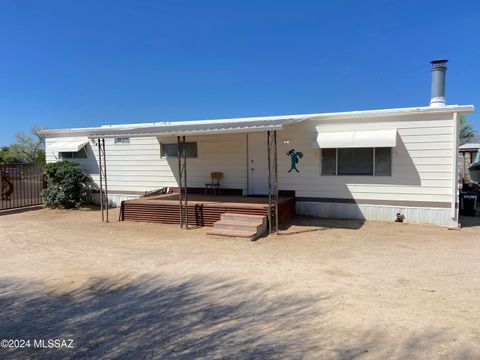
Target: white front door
(257, 164)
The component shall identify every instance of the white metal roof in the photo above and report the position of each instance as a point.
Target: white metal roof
(195, 128)
(199, 127)
(356, 139)
(470, 146)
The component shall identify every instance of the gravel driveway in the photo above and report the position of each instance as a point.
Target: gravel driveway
(322, 289)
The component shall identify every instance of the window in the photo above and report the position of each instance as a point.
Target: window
(171, 150)
(329, 161)
(383, 161)
(357, 161)
(122, 140)
(80, 154)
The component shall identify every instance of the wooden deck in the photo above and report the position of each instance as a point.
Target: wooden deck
(203, 210)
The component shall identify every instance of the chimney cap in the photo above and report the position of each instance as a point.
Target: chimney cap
(438, 61)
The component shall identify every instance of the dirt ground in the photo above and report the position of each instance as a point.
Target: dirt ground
(323, 289)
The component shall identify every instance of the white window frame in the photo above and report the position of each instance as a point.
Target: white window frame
(83, 150)
(164, 155)
(122, 141)
(374, 168)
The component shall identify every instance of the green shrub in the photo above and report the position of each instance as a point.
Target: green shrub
(67, 185)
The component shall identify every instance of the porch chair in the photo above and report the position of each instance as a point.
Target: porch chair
(214, 185)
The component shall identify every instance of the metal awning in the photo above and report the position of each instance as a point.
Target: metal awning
(355, 139)
(70, 146)
(194, 128)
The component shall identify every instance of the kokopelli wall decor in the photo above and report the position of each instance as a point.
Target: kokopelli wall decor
(294, 157)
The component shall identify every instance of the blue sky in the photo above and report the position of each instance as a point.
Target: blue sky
(85, 63)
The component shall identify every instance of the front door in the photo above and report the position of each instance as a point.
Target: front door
(257, 164)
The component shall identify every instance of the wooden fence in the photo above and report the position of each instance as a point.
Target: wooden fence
(21, 185)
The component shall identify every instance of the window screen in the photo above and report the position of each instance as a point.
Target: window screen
(383, 161)
(329, 161)
(81, 154)
(357, 161)
(122, 140)
(171, 150)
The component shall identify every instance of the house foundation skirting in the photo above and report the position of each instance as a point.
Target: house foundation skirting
(114, 200)
(373, 212)
(412, 215)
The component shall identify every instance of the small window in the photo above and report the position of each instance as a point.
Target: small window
(122, 140)
(357, 161)
(81, 154)
(171, 150)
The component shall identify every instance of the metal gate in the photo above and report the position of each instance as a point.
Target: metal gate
(20, 185)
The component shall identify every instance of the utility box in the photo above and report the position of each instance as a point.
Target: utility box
(468, 203)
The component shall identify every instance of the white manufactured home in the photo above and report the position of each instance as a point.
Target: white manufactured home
(372, 165)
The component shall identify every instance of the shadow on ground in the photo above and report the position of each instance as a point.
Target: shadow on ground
(149, 317)
(20, 210)
(307, 224)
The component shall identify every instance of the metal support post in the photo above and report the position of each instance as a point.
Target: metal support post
(272, 182)
(182, 175)
(100, 170)
(105, 176)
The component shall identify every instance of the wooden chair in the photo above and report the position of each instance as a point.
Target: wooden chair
(214, 185)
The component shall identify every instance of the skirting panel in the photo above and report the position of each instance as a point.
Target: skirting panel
(412, 215)
(114, 200)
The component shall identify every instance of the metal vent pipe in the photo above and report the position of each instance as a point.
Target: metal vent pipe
(439, 71)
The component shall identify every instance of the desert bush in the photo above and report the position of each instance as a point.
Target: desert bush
(67, 185)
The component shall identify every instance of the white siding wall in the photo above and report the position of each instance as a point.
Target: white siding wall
(138, 166)
(422, 163)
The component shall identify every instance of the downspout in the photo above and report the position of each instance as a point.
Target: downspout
(454, 206)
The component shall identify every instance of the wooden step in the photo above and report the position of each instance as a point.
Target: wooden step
(251, 235)
(256, 219)
(238, 225)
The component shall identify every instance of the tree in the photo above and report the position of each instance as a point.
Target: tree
(9, 155)
(29, 148)
(467, 132)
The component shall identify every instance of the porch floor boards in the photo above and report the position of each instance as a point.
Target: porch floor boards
(203, 210)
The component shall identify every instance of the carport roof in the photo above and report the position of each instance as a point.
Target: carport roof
(195, 127)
